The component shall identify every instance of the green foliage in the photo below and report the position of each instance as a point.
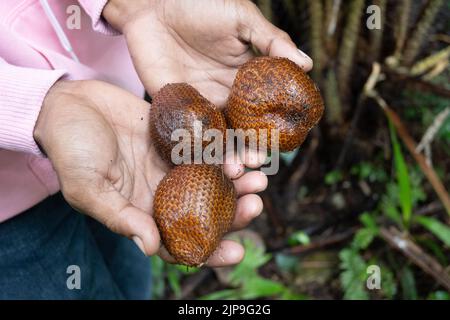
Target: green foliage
(435, 248)
(408, 284)
(388, 284)
(439, 295)
(353, 275)
(390, 201)
(333, 177)
(425, 106)
(440, 230)
(364, 236)
(402, 176)
(368, 171)
(167, 276)
(158, 282)
(354, 268)
(298, 238)
(247, 282)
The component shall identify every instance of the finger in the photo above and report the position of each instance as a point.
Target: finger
(104, 203)
(252, 158)
(233, 166)
(165, 255)
(248, 207)
(270, 40)
(227, 253)
(251, 182)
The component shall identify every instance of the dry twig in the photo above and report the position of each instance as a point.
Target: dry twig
(321, 243)
(420, 258)
(433, 129)
(428, 171)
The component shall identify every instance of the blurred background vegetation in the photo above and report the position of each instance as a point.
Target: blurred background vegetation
(369, 186)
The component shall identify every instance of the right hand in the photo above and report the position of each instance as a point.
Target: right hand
(97, 138)
(200, 42)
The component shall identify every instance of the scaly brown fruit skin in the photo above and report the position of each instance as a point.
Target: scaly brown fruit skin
(194, 207)
(274, 93)
(177, 106)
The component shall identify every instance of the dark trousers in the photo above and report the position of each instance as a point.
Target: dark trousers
(53, 252)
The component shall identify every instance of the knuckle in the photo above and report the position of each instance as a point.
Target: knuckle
(283, 35)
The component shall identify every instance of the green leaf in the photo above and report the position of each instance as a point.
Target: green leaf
(363, 238)
(222, 294)
(368, 221)
(390, 210)
(353, 275)
(253, 259)
(173, 276)
(333, 177)
(158, 283)
(185, 269)
(388, 284)
(440, 230)
(248, 284)
(408, 284)
(258, 287)
(368, 171)
(402, 177)
(439, 295)
(299, 237)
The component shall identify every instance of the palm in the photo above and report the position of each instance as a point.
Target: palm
(213, 77)
(97, 137)
(207, 63)
(135, 171)
(198, 42)
(112, 149)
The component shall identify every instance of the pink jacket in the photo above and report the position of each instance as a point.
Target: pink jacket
(32, 58)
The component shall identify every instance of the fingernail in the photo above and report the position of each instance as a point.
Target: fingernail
(139, 243)
(304, 55)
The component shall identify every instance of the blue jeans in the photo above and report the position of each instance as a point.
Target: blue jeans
(38, 246)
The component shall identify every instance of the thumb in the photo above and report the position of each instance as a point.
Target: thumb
(109, 207)
(270, 40)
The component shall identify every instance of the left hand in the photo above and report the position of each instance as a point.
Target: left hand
(96, 136)
(201, 42)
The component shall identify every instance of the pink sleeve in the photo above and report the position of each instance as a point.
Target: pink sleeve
(94, 9)
(22, 91)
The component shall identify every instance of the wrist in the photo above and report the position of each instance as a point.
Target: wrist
(56, 96)
(120, 12)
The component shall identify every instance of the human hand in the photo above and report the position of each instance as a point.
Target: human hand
(201, 42)
(97, 138)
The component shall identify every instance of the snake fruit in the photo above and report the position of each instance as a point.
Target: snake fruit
(178, 106)
(274, 93)
(194, 204)
(194, 207)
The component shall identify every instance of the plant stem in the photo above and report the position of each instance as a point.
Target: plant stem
(420, 32)
(348, 45)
